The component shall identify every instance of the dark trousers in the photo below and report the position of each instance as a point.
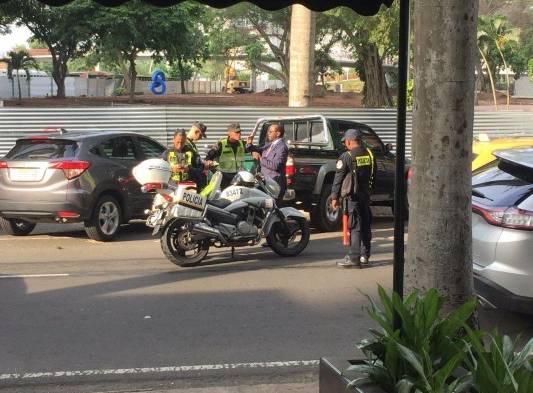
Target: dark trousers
(359, 223)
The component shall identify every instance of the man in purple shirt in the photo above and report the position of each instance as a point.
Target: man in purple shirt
(272, 156)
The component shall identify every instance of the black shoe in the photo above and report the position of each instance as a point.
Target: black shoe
(347, 263)
(265, 244)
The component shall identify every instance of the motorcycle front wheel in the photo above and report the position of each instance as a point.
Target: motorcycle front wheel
(290, 239)
(180, 247)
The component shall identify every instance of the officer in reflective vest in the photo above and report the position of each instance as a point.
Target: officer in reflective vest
(230, 154)
(180, 158)
(359, 163)
(197, 132)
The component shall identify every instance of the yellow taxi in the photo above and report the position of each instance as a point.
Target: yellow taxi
(483, 148)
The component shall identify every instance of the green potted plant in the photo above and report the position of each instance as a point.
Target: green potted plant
(432, 352)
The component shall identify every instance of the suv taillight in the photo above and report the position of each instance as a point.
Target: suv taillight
(290, 170)
(507, 217)
(71, 169)
(3, 164)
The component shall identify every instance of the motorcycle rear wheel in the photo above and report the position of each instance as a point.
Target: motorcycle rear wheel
(179, 248)
(297, 235)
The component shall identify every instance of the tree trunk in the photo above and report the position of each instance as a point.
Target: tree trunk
(375, 93)
(59, 73)
(481, 82)
(180, 68)
(132, 73)
(493, 87)
(18, 83)
(506, 76)
(29, 86)
(300, 55)
(125, 72)
(440, 235)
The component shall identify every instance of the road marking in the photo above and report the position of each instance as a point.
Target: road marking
(146, 370)
(34, 275)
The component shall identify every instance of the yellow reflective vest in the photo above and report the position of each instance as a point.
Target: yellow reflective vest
(229, 160)
(179, 158)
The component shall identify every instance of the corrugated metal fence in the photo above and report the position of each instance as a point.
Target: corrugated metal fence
(159, 122)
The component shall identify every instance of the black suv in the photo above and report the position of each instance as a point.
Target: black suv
(74, 177)
(315, 145)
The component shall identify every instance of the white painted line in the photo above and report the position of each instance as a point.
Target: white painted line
(146, 370)
(34, 275)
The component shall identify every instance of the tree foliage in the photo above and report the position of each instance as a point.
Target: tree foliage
(134, 27)
(371, 40)
(64, 30)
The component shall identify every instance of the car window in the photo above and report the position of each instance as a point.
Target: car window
(118, 148)
(301, 131)
(42, 149)
(150, 149)
(372, 141)
(503, 183)
(318, 134)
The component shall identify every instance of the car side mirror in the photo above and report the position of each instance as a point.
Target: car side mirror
(389, 147)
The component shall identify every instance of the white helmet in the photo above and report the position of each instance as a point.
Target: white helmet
(243, 179)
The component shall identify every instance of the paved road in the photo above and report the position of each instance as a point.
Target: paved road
(76, 304)
(120, 315)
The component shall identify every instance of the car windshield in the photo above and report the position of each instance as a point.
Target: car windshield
(42, 149)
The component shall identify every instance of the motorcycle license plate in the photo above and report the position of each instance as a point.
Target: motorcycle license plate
(192, 200)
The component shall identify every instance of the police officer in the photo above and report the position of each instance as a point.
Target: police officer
(180, 158)
(197, 132)
(359, 163)
(230, 154)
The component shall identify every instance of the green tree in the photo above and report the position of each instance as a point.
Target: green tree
(372, 40)
(125, 31)
(18, 60)
(237, 27)
(182, 41)
(65, 31)
(497, 31)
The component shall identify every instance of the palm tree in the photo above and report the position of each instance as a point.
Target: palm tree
(19, 60)
(483, 48)
(497, 31)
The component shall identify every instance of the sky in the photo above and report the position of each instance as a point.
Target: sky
(19, 35)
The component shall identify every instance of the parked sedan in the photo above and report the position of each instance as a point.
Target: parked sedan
(502, 230)
(74, 177)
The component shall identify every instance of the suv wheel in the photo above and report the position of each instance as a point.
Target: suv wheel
(324, 218)
(105, 220)
(16, 227)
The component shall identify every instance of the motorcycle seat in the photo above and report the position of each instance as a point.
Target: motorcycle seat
(220, 203)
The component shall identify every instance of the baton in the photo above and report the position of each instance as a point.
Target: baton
(345, 230)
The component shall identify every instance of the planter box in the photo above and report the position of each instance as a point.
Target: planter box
(331, 379)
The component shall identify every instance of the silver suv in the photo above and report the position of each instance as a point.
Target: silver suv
(502, 230)
(74, 177)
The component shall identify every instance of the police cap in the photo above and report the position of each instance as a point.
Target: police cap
(352, 135)
(234, 127)
(201, 127)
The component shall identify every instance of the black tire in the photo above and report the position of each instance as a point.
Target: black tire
(175, 253)
(16, 227)
(106, 217)
(323, 217)
(277, 234)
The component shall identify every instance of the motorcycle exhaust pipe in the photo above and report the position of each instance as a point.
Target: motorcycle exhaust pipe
(207, 231)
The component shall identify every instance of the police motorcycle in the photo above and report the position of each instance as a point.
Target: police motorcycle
(238, 216)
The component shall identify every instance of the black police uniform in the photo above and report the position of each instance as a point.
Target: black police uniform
(360, 160)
